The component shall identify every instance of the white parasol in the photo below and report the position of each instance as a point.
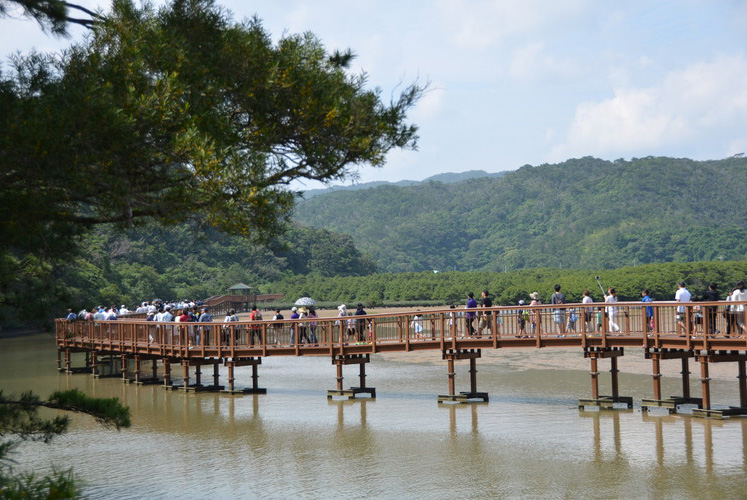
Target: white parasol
(305, 301)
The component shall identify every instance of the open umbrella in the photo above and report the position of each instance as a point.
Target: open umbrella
(305, 301)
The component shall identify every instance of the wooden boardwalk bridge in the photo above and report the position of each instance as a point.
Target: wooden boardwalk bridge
(706, 332)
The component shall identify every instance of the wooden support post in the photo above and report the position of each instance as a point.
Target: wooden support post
(614, 378)
(362, 375)
(137, 369)
(473, 375)
(216, 374)
(657, 377)
(67, 361)
(705, 383)
(722, 357)
(604, 402)
(451, 374)
(594, 378)
(185, 370)
(123, 368)
(255, 377)
(742, 377)
(59, 360)
(167, 373)
(451, 355)
(198, 375)
(339, 377)
(673, 402)
(685, 378)
(230, 376)
(155, 369)
(349, 359)
(94, 363)
(254, 389)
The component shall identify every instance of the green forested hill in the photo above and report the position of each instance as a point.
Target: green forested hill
(583, 213)
(181, 262)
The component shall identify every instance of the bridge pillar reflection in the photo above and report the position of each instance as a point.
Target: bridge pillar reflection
(604, 402)
(339, 360)
(452, 355)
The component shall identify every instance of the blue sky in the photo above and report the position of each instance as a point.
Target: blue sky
(530, 81)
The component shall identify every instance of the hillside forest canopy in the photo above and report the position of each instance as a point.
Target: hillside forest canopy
(583, 213)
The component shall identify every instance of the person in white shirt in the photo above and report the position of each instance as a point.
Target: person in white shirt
(737, 310)
(682, 295)
(612, 310)
(588, 311)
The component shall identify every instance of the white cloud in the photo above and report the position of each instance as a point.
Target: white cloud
(686, 104)
(430, 105)
(532, 62)
(479, 24)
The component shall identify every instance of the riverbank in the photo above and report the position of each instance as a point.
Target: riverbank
(9, 333)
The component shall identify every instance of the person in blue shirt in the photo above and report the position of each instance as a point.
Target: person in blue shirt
(469, 318)
(646, 297)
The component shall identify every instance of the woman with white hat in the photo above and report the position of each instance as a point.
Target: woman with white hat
(349, 324)
(535, 314)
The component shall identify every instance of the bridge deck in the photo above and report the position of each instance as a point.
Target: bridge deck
(708, 332)
(702, 327)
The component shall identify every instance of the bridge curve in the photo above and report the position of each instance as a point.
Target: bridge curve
(704, 331)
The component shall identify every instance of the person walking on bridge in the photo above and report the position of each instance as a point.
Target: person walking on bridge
(558, 314)
(469, 318)
(682, 295)
(360, 323)
(485, 318)
(612, 310)
(536, 318)
(588, 312)
(739, 295)
(649, 310)
(711, 295)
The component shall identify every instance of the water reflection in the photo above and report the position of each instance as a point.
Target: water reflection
(455, 409)
(529, 441)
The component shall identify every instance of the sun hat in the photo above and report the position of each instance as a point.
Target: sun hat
(534, 295)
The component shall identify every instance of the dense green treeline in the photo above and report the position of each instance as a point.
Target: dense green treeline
(507, 288)
(181, 262)
(584, 213)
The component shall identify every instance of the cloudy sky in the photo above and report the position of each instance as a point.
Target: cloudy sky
(529, 81)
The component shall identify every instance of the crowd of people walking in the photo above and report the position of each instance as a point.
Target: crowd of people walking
(474, 319)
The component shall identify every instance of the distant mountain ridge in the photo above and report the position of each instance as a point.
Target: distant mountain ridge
(446, 178)
(582, 213)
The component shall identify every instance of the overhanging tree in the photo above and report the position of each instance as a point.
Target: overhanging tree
(182, 113)
(19, 421)
(179, 114)
(53, 16)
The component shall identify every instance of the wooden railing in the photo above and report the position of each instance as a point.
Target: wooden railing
(696, 325)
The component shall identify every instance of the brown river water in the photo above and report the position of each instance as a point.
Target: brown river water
(529, 441)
